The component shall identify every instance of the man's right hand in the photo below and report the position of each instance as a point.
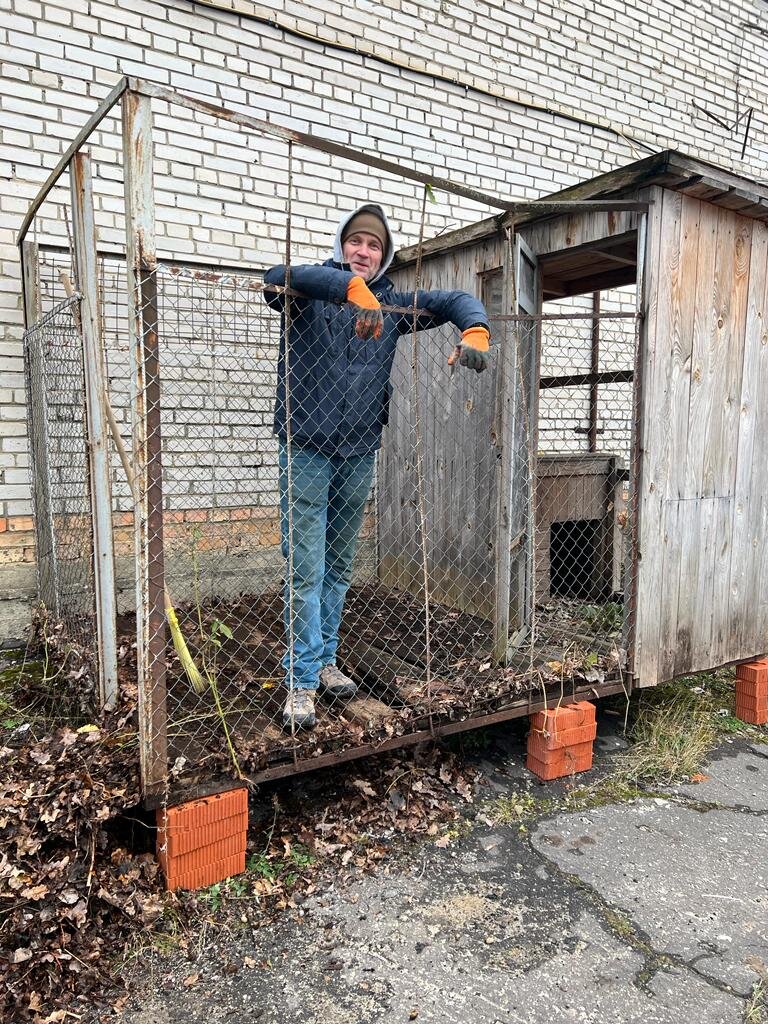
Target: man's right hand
(370, 321)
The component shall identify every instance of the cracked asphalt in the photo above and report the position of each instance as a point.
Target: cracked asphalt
(653, 910)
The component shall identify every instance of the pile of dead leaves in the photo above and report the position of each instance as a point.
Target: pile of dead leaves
(341, 824)
(69, 894)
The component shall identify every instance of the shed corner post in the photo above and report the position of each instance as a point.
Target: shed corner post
(141, 266)
(505, 455)
(632, 551)
(97, 442)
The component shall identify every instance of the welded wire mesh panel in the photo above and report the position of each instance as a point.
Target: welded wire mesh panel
(55, 390)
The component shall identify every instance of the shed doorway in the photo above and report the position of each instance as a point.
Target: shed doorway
(581, 552)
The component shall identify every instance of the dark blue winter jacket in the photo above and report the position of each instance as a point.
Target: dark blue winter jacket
(339, 384)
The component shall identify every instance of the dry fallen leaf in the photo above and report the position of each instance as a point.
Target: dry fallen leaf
(35, 892)
(191, 980)
(365, 787)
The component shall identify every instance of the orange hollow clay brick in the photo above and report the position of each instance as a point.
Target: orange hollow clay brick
(756, 702)
(540, 744)
(752, 687)
(566, 716)
(178, 840)
(209, 874)
(566, 761)
(202, 839)
(753, 671)
(753, 712)
(201, 858)
(754, 716)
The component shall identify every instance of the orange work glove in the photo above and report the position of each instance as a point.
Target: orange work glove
(472, 352)
(370, 321)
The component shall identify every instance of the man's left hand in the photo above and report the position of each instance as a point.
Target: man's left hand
(474, 348)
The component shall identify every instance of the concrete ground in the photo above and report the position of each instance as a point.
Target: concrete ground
(647, 911)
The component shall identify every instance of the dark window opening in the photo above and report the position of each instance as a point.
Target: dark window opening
(573, 557)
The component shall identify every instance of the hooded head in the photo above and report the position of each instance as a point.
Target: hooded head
(367, 220)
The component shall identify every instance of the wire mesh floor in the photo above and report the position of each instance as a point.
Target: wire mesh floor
(575, 644)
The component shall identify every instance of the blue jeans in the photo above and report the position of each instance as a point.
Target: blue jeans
(328, 495)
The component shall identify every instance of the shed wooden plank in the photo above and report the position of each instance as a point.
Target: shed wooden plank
(712, 309)
(689, 490)
(675, 535)
(745, 542)
(724, 643)
(575, 229)
(751, 489)
(663, 268)
(704, 320)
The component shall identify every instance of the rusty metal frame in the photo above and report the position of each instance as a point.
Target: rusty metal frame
(520, 709)
(136, 98)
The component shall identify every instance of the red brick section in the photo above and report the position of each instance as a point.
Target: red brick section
(752, 692)
(203, 841)
(560, 740)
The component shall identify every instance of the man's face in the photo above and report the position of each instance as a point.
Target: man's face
(363, 253)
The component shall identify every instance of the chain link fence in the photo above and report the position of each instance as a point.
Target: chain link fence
(412, 528)
(55, 396)
(283, 555)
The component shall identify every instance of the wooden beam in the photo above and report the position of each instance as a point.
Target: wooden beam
(141, 266)
(613, 257)
(571, 380)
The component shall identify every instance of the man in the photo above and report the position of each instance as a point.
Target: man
(340, 353)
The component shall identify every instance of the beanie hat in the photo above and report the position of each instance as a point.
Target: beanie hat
(368, 222)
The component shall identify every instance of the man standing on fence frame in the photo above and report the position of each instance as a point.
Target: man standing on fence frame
(341, 349)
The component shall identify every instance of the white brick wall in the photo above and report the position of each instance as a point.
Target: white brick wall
(428, 83)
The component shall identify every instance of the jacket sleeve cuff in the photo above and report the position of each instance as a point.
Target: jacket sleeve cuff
(339, 286)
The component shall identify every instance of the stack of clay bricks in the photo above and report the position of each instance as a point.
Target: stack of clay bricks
(560, 740)
(752, 692)
(201, 842)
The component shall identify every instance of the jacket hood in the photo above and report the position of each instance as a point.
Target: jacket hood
(389, 254)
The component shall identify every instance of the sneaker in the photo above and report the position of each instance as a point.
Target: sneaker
(335, 685)
(299, 709)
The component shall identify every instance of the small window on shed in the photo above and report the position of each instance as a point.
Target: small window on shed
(491, 290)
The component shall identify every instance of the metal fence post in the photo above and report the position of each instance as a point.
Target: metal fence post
(45, 539)
(87, 277)
(145, 386)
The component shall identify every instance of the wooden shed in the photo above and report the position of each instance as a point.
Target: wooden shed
(680, 508)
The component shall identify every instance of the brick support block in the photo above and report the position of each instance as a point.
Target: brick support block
(752, 692)
(203, 841)
(560, 740)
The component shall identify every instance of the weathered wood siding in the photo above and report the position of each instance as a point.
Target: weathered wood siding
(702, 586)
(457, 418)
